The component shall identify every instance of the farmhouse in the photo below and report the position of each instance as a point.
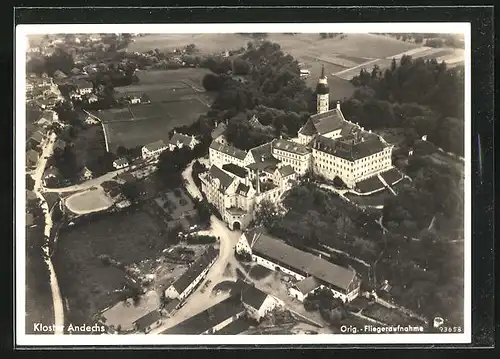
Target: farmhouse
(153, 150)
(257, 303)
(83, 87)
(120, 163)
(218, 134)
(186, 283)
(272, 253)
(148, 322)
(179, 140)
(212, 319)
(220, 154)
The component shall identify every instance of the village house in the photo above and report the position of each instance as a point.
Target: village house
(148, 322)
(83, 87)
(257, 303)
(92, 98)
(274, 254)
(120, 163)
(186, 283)
(153, 149)
(31, 159)
(211, 320)
(179, 140)
(35, 139)
(219, 133)
(86, 174)
(51, 176)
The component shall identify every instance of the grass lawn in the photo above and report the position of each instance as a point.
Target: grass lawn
(258, 272)
(152, 122)
(180, 76)
(89, 144)
(85, 281)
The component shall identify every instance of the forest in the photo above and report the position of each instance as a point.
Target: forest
(422, 96)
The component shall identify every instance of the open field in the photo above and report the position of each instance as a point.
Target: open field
(206, 43)
(93, 200)
(153, 123)
(88, 284)
(187, 76)
(88, 145)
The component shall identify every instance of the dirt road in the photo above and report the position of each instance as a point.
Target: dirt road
(48, 148)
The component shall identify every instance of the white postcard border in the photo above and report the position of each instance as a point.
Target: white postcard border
(178, 340)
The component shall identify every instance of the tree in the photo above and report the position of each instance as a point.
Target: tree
(131, 191)
(30, 182)
(323, 35)
(241, 67)
(212, 82)
(267, 214)
(191, 49)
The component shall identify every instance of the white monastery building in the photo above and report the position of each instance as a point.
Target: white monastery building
(327, 145)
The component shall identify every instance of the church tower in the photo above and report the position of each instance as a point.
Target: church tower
(322, 92)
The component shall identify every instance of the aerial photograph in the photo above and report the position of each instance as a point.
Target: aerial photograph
(244, 183)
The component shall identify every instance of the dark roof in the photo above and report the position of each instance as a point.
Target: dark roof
(264, 151)
(172, 305)
(235, 169)
(81, 83)
(219, 130)
(235, 328)
(37, 136)
(351, 148)
(242, 189)
(252, 296)
(369, 185)
(195, 269)
(307, 285)
(147, 320)
(269, 162)
(391, 176)
(154, 146)
(229, 150)
(308, 129)
(286, 171)
(208, 318)
(225, 179)
(328, 121)
(303, 262)
(32, 157)
(179, 137)
(291, 146)
(322, 89)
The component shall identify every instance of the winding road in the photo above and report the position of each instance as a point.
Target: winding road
(48, 148)
(200, 300)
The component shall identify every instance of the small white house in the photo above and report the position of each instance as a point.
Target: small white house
(179, 140)
(120, 163)
(257, 303)
(303, 288)
(153, 149)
